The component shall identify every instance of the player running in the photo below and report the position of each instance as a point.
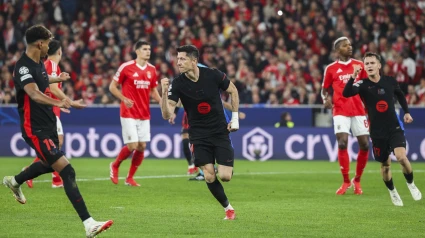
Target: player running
(348, 113)
(386, 129)
(199, 91)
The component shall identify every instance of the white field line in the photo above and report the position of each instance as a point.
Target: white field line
(236, 174)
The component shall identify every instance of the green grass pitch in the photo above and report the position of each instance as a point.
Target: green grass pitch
(271, 199)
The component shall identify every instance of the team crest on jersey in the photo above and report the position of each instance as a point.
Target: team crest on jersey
(381, 91)
(23, 70)
(149, 75)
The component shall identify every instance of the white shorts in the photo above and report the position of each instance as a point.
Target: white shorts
(59, 126)
(135, 130)
(359, 125)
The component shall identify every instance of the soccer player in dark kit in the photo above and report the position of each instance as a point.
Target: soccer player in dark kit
(38, 125)
(199, 89)
(386, 130)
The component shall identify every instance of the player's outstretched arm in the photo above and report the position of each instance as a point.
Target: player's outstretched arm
(35, 94)
(62, 77)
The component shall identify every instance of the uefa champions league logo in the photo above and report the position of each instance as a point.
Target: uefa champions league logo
(257, 144)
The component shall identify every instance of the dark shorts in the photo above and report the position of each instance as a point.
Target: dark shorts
(382, 148)
(213, 150)
(46, 147)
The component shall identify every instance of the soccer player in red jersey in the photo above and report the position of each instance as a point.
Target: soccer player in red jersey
(138, 80)
(348, 113)
(38, 126)
(52, 67)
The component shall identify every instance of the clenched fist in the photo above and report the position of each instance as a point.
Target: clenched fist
(357, 68)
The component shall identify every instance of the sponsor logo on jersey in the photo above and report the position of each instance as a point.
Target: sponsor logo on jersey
(381, 91)
(204, 108)
(136, 75)
(339, 71)
(142, 84)
(382, 106)
(345, 77)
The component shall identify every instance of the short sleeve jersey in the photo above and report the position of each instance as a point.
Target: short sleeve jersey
(136, 82)
(336, 75)
(35, 118)
(202, 102)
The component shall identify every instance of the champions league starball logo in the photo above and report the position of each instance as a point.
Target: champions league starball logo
(257, 144)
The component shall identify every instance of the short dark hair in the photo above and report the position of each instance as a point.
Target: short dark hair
(37, 32)
(140, 43)
(190, 50)
(372, 54)
(54, 46)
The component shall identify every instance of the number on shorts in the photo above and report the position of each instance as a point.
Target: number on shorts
(377, 151)
(366, 123)
(49, 143)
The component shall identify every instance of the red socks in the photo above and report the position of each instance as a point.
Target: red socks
(136, 161)
(123, 155)
(362, 158)
(344, 163)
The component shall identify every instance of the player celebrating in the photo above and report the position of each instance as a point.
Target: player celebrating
(52, 67)
(138, 81)
(348, 113)
(198, 89)
(386, 129)
(38, 125)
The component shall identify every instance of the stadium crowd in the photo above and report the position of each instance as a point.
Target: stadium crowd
(275, 51)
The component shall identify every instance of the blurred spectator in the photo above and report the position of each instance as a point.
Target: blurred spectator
(285, 121)
(272, 59)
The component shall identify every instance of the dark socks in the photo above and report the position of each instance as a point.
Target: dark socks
(409, 177)
(389, 184)
(186, 151)
(217, 191)
(33, 171)
(73, 193)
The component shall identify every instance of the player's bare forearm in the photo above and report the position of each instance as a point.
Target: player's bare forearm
(155, 95)
(324, 93)
(35, 94)
(53, 79)
(54, 88)
(167, 107)
(234, 96)
(349, 89)
(113, 88)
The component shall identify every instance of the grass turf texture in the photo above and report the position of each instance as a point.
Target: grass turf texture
(272, 199)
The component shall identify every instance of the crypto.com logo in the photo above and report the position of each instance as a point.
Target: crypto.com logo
(257, 145)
